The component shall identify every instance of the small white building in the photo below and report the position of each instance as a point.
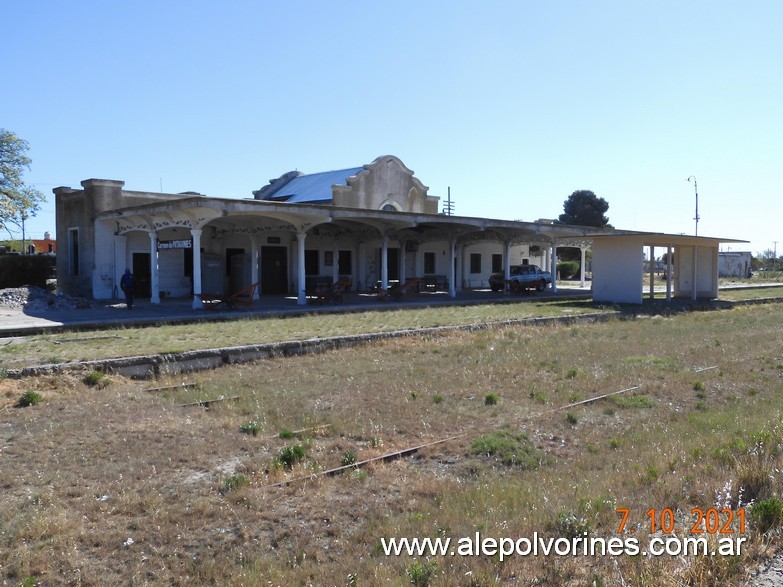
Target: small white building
(734, 264)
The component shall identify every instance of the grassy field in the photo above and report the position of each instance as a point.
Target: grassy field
(107, 482)
(123, 342)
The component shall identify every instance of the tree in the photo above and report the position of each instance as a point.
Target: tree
(584, 208)
(769, 261)
(18, 201)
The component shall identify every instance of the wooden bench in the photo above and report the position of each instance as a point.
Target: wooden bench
(397, 292)
(244, 297)
(340, 288)
(332, 292)
(317, 289)
(435, 283)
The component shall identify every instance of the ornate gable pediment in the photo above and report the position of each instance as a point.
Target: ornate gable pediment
(386, 182)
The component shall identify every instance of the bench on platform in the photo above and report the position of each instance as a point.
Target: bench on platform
(244, 297)
(397, 292)
(435, 283)
(325, 293)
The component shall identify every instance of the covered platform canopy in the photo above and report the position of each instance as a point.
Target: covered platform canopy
(691, 265)
(255, 217)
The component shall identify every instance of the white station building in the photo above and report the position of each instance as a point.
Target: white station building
(373, 225)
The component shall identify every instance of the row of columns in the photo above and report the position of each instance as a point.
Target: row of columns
(694, 293)
(301, 236)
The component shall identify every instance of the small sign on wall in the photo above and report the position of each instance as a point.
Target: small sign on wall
(176, 244)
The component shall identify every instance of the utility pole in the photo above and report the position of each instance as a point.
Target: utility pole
(448, 205)
(24, 247)
(696, 189)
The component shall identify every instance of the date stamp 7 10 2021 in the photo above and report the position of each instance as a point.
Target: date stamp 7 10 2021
(710, 521)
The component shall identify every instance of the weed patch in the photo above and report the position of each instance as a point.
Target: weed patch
(767, 514)
(250, 428)
(291, 455)
(491, 399)
(511, 449)
(632, 401)
(29, 398)
(235, 482)
(96, 379)
(421, 574)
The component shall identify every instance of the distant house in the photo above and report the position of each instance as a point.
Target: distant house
(734, 264)
(32, 246)
(44, 245)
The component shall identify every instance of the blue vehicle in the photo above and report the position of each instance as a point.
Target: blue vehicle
(524, 276)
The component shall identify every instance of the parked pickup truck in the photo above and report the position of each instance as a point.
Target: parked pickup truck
(527, 276)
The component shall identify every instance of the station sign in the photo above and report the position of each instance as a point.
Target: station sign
(176, 244)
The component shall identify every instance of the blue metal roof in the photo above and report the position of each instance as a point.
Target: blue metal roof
(315, 187)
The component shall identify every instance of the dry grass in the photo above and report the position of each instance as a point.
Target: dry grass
(752, 294)
(124, 342)
(91, 467)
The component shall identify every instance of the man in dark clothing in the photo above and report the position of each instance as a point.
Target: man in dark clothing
(126, 284)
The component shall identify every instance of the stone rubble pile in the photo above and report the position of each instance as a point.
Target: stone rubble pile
(36, 299)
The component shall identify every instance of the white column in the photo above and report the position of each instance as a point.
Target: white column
(195, 233)
(254, 265)
(507, 260)
(652, 272)
(301, 297)
(459, 278)
(669, 267)
(553, 264)
(154, 287)
(452, 266)
(385, 263)
(582, 260)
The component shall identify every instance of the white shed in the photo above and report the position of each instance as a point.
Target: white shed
(618, 265)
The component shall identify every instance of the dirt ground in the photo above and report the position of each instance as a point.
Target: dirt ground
(113, 481)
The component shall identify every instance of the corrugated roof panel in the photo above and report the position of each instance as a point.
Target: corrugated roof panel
(315, 187)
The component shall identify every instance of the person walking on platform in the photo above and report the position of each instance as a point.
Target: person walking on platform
(127, 284)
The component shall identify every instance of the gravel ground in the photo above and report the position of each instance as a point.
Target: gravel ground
(769, 574)
(36, 299)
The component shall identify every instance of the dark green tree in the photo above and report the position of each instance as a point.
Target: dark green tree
(584, 208)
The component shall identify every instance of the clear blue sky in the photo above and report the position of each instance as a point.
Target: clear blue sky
(514, 104)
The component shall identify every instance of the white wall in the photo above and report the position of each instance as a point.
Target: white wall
(706, 272)
(731, 264)
(171, 263)
(103, 271)
(617, 271)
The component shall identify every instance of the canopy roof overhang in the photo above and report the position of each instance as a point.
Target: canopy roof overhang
(659, 239)
(255, 216)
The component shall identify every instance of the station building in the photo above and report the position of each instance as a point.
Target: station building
(374, 225)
